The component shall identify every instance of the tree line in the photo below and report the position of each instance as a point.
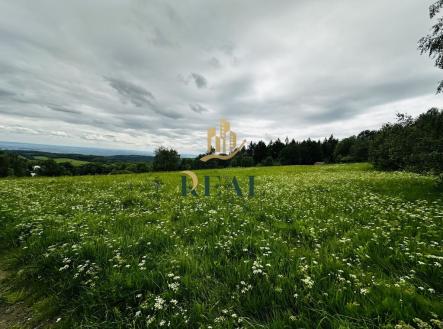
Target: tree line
(13, 164)
(408, 144)
(412, 144)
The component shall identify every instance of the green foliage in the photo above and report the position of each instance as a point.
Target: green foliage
(74, 162)
(242, 160)
(50, 168)
(166, 159)
(306, 152)
(246, 161)
(333, 246)
(354, 148)
(268, 161)
(15, 164)
(432, 43)
(12, 165)
(410, 144)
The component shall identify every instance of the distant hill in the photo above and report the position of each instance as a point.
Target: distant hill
(79, 159)
(70, 149)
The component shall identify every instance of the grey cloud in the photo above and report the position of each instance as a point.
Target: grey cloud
(5, 93)
(228, 49)
(269, 76)
(200, 80)
(360, 99)
(160, 40)
(135, 94)
(214, 62)
(232, 89)
(197, 108)
(62, 109)
(172, 14)
(140, 97)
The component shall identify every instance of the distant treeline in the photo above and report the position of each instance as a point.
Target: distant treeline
(13, 164)
(25, 162)
(30, 154)
(409, 144)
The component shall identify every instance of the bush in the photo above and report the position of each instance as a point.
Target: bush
(268, 161)
(410, 144)
(166, 159)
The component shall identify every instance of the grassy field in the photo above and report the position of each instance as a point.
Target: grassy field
(335, 246)
(40, 157)
(74, 162)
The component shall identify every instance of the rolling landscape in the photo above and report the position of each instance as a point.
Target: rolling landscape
(236, 164)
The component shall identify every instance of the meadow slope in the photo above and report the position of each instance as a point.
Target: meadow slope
(334, 246)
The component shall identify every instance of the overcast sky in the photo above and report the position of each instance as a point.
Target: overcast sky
(139, 74)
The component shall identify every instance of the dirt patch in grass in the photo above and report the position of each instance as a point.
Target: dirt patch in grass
(13, 314)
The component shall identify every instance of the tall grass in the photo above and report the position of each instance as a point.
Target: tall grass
(338, 246)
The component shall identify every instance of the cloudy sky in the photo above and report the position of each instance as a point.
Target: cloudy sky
(139, 74)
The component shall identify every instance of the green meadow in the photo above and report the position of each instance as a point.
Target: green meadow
(74, 162)
(330, 246)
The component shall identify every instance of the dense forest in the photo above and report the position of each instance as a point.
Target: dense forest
(409, 144)
(412, 144)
